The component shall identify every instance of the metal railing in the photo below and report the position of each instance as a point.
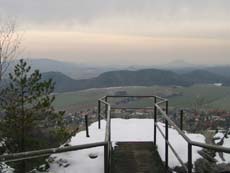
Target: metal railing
(6, 158)
(190, 143)
(157, 108)
(104, 111)
(106, 114)
(46, 152)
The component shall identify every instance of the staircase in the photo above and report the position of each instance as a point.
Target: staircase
(136, 157)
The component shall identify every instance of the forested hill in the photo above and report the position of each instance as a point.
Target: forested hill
(146, 77)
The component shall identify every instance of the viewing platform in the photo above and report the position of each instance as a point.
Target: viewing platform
(114, 155)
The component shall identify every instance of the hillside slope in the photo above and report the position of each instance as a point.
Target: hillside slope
(146, 77)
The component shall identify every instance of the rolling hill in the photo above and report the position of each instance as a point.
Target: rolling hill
(73, 70)
(146, 77)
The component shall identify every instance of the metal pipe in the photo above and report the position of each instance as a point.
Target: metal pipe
(46, 152)
(104, 102)
(102, 98)
(106, 158)
(161, 102)
(99, 114)
(140, 96)
(211, 147)
(86, 126)
(166, 137)
(181, 119)
(106, 107)
(173, 124)
(189, 158)
(155, 121)
(150, 108)
(108, 126)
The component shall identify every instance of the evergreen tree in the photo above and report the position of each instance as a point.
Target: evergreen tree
(29, 120)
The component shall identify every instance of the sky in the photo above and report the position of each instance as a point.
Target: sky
(117, 32)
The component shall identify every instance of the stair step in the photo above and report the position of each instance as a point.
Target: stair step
(136, 157)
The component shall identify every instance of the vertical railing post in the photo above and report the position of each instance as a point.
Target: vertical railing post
(106, 108)
(106, 158)
(86, 126)
(109, 120)
(166, 137)
(109, 142)
(189, 158)
(155, 121)
(181, 119)
(109, 157)
(99, 113)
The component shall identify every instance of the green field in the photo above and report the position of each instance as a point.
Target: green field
(202, 96)
(73, 101)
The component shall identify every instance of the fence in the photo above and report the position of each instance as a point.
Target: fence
(190, 143)
(157, 108)
(104, 111)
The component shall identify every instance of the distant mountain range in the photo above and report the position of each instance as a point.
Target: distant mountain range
(146, 77)
(73, 70)
(85, 71)
(72, 77)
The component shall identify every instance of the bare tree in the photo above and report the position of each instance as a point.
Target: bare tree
(9, 44)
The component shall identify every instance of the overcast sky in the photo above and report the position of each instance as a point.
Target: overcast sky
(124, 31)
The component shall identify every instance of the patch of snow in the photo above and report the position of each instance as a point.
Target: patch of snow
(121, 130)
(217, 137)
(218, 84)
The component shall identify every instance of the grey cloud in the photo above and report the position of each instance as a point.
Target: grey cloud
(90, 10)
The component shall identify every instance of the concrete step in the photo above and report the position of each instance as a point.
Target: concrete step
(136, 157)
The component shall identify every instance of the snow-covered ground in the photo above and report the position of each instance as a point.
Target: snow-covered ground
(121, 130)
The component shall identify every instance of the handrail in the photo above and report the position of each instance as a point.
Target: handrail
(161, 98)
(108, 126)
(145, 108)
(211, 147)
(107, 140)
(102, 101)
(45, 152)
(195, 143)
(161, 102)
(137, 96)
(102, 98)
(173, 124)
(185, 137)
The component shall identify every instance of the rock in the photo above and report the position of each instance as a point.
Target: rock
(66, 165)
(43, 167)
(204, 166)
(93, 155)
(67, 145)
(179, 169)
(207, 156)
(223, 168)
(51, 159)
